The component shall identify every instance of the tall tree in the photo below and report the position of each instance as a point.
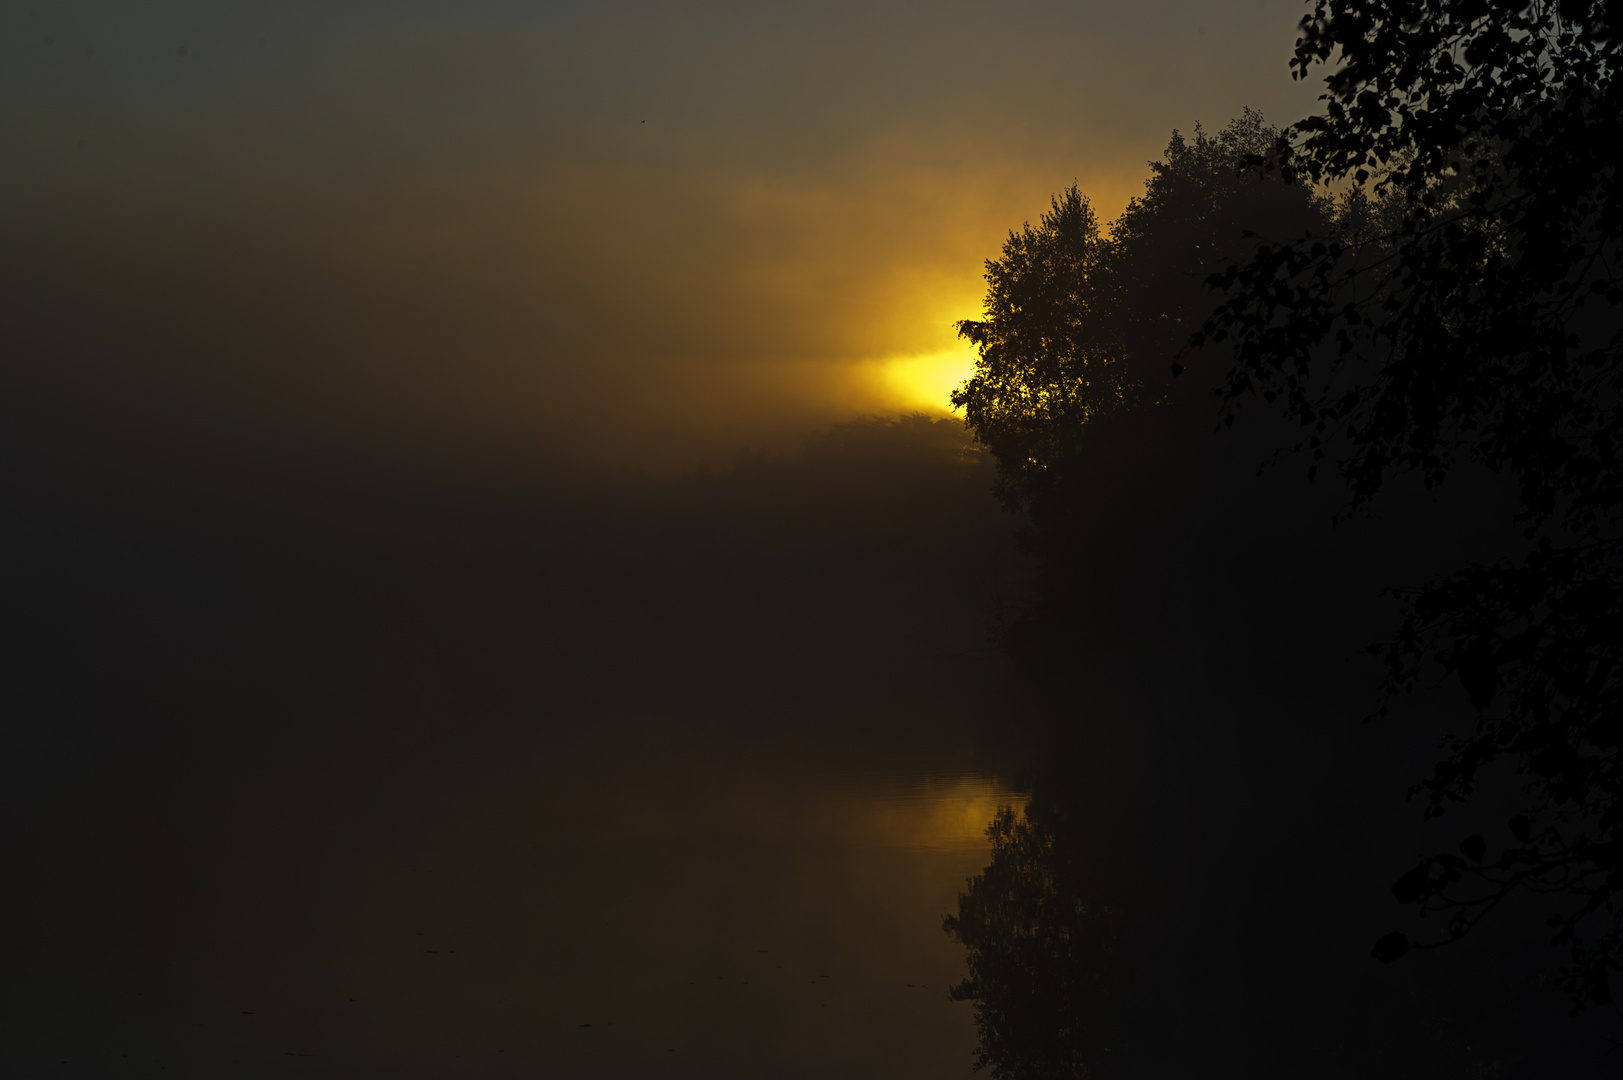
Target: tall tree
(1082, 323)
(1051, 358)
(1470, 312)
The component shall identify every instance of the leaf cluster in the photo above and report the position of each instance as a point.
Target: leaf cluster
(1536, 646)
(1467, 309)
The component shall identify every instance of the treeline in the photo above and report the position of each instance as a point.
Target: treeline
(1086, 323)
(1415, 298)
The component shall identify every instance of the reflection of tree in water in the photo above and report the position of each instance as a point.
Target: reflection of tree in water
(1042, 952)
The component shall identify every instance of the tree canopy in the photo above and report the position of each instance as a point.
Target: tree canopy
(1082, 322)
(1051, 360)
(1468, 312)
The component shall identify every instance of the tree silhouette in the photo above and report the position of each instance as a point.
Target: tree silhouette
(1469, 311)
(1082, 325)
(1042, 959)
(1051, 358)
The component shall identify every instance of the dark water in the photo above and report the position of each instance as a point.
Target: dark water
(540, 777)
(649, 900)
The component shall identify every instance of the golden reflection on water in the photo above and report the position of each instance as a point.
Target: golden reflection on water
(706, 906)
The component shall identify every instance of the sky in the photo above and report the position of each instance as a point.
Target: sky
(639, 234)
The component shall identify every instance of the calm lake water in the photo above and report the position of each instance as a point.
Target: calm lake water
(653, 900)
(676, 785)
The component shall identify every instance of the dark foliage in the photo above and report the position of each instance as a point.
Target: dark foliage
(1467, 311)
(1082, 324)
(1051, 358)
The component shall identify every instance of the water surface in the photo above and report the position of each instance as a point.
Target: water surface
(679, 783)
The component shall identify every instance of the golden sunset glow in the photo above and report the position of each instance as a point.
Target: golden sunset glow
(945, 813)
(925, 383)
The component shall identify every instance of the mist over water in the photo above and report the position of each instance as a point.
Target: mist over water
(493, 585)
(510, 770)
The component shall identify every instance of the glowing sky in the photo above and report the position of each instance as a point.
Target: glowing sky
(650, 230)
